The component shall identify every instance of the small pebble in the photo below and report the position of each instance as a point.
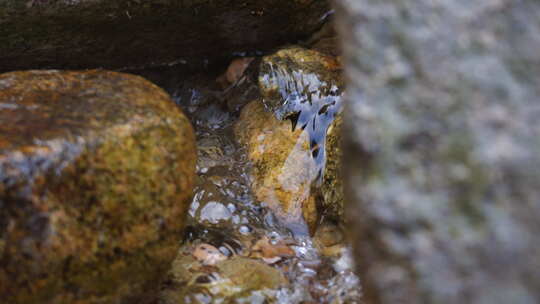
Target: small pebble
(245, 230)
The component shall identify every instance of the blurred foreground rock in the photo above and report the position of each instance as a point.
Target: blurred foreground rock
(96, 175)
(443, 150)
(130, 33)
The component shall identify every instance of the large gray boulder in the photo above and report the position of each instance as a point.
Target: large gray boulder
(130, 33)
(443, 153)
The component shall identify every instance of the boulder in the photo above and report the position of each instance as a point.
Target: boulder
(96, 176)
(131, 33)
(443, 148)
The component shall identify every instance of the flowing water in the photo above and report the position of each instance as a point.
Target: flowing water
(227, 226)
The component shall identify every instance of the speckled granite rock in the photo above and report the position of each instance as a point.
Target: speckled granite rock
(130, 33)
(96, 174)
(444, 136)
(286, 136)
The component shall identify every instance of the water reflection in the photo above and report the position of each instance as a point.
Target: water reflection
(305, 91)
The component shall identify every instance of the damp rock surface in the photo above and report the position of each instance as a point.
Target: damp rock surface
(331, 195)
(96, 176)
(129, 33)
(444, 136)
(230, 278)
(283, 170)
(290, 132)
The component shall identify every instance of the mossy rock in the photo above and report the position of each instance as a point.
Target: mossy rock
(228, 281)
(96, 175)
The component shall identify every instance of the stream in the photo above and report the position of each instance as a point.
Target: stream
(228, 229)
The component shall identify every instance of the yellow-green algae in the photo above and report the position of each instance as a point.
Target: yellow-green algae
(227, 281)
(96, 174)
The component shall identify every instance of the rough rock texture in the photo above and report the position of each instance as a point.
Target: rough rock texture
(96, 174)
(128, 33)
(444, 148)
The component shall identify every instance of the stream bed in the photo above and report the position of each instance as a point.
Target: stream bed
(235, 248)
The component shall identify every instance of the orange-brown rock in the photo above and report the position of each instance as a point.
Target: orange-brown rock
(96, 174)
(283, 169)
(292, 137)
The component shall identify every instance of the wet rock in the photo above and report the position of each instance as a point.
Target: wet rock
(214, 212)
(234, 72)
(296, 83)
(329, 239)
(305, 87)
(226, 279)
(96, 174)
(207, 254)
(251, 274)
(443, 127)
(331, 189)
(283, 169)
(286, 136)
(131, 33)
(271, 250)
(212, 152)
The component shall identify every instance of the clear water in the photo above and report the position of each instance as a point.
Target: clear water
(225, 214)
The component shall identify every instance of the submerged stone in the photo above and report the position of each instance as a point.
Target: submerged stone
(96, 175)
(444, 149)
(331, 189)
(227, 279)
